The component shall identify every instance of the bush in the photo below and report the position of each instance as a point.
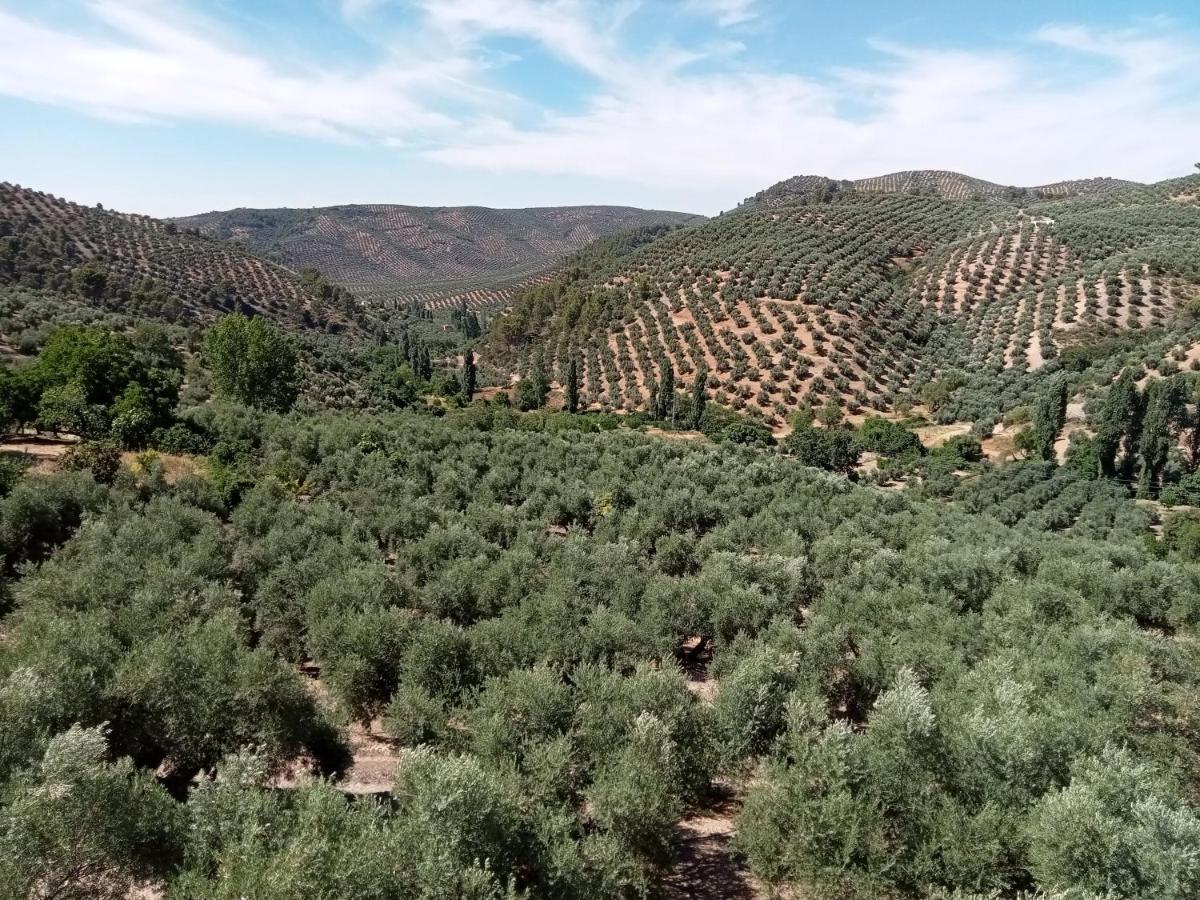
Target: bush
(888, 438)
(103, 460)
(833, 449)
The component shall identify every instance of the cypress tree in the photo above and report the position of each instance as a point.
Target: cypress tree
(665, 405)
(572, 385)
(469, 376)
(699, 398)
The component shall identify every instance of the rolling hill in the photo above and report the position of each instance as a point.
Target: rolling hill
(928, 182)
(439, 257)
(141, 264)
(864, 296)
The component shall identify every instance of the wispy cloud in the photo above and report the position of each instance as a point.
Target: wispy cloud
(726, 12)
(998, 115)
(652, 116)
(147, 65)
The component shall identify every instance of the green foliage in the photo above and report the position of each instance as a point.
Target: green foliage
(1118, 423)
(1117, 828)
(824, 448)
(252, 362)
(102, 460)
(1181, 535)
(572, 385)
(746, 433)
(532, 392)
(78, 826)
(470, 376)
(1164, 403)
(909, 681)
(962, 449)
(888, 438)
(1048, 415)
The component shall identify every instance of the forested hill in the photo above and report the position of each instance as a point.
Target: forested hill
(436, 255)
(145, 266)
(865, 299)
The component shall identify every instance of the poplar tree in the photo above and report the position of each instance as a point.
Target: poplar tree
(1165, 405)
(1118, 423)
(1049, 416)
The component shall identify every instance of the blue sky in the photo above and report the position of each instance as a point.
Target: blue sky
(170, 107)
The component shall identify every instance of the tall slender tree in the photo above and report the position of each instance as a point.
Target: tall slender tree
(470, 376)
(699, 397)
(1118, 423)
(572, 385)
(664, 407)
(1049, 415)
(1166, 405)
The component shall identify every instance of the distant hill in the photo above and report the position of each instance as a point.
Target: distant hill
(927, 182)
(150, 267)
(437, 256)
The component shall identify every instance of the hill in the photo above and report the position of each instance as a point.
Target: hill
(151, 267)
(437, 256)
(864, 297)
(931, 182)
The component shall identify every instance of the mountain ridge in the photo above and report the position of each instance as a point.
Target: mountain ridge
(394, 254)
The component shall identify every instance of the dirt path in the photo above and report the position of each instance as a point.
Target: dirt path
(706, 867)
(375, 755)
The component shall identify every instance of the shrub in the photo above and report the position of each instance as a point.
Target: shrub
(833, 449)
(101, 459)
(889, 438)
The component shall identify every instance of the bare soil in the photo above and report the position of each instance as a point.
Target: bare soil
(42, 453)
(936, 435)
(706, 866)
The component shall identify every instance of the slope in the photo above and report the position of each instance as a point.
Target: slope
(865, 298)
(151, 267)
(439, 256)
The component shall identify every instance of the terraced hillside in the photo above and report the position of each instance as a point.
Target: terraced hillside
(441, 257)
(122, 260)
(863, 297)
(933, 182)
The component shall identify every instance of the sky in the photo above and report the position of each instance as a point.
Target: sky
(171, 107)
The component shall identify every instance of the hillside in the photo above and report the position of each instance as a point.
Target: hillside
(438, 256)
(864, 297)
(144, 265)
(936, 183)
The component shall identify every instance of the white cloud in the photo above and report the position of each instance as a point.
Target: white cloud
(726, 12)
(147, 65)
(995, 115)
(1069, 102)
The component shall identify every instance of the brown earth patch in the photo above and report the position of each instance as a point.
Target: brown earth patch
(936, 435)
(706, 865)
(40, 453)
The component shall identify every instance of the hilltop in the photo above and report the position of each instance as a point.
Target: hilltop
(146, 266)
(927, 182)
(439, 257)
(865, 296)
